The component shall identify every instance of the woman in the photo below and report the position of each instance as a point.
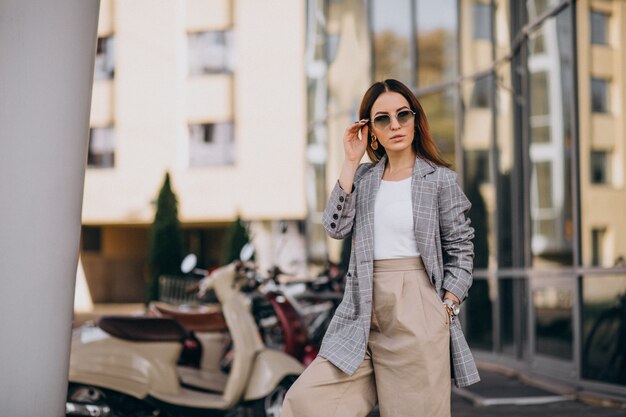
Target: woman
(395, 334)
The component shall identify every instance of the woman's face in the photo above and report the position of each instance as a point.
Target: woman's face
(395, 131)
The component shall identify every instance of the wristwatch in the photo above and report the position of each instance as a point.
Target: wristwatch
(453, 308)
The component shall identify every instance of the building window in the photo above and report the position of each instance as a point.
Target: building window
(481, 93)
(210, 52)
(105, 59)
(543, 173)
(600, 167)
(540, 94)
(599, 95)
(537, 41)
(597, 246)
(101, 152)
(482, 21)
(599, 28)
(211, 144)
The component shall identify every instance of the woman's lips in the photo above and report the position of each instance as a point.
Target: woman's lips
(397, 137)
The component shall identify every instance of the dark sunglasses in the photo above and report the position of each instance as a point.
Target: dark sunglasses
(382, 121)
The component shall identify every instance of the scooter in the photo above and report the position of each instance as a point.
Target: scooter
(129, 366)
(280, 322)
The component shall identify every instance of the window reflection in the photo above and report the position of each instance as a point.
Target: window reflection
(600, 167)
(436, 41)
(481, 21)
(478, 309)
(553, 321)
(478, 190)
(599, 95)
(601, 150)
(599, 28)
(393, 40)
(482, 92)
(604, 328)
(478, 183)
(439, 109)
(550, 84)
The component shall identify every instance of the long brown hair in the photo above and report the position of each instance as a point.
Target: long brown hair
(423, 143)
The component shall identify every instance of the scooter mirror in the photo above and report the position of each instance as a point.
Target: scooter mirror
(246, 252)
(188, 263)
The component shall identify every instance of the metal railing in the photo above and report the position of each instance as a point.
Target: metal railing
(177, 290)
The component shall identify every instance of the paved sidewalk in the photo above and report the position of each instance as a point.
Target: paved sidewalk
(499, 395)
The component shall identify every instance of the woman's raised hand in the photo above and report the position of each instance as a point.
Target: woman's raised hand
(354, 146)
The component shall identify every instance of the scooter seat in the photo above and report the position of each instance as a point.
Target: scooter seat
(143, 329)
(200, 319)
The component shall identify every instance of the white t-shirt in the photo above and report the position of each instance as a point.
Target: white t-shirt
(393, 221)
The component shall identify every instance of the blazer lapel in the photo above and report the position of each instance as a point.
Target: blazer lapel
(372, 184)
(418, 200)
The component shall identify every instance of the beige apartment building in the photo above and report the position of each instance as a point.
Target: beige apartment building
(602, 96)
(213, 92)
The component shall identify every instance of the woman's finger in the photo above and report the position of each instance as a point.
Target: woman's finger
(365, 129)
(356, 126)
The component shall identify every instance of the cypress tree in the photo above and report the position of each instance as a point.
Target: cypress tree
(166, 243)
(237, 238)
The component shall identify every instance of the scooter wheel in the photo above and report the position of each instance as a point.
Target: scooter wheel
(272, 404)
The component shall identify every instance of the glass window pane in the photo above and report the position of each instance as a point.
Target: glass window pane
(478, 188)
(553, 321)
(482, 92)
(436, 41)
(508, 239)
(598, 246)
(537, 42)
(393, 40)
(543, 174)
(540, 96)
(600, 167)
(478, 310)
(210, 52)
(101, 153)
(512, 293)
(601, 149)
(599, 95)
(537, 7)
(599, 28)
(476, 136)
(604, 328)
(104, 68)
(211, 144)
(482, 21)
(440, 112)
(551, 81)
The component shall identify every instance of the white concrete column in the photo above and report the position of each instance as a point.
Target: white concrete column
(47, 51)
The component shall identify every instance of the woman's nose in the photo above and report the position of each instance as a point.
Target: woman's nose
(395, 125)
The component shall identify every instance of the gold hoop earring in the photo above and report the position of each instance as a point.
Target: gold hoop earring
(374, 143)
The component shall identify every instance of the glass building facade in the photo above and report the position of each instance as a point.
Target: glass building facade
(526, 100)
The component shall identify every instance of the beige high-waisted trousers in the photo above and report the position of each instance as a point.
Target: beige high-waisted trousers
(407, 362)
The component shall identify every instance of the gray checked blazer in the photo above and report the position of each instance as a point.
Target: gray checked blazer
(443, 235)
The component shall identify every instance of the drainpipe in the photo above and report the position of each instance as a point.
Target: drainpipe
(47, 52)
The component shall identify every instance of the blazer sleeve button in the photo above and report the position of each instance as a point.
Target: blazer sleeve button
(341, 199)
(335, 216)
(333, 225)
(339, 207)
